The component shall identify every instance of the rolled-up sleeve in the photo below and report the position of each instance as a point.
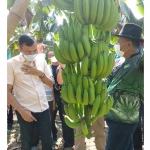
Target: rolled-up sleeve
(10, 73)
(47, 70)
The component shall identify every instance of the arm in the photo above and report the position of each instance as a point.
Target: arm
(59, 76)
(26, 115)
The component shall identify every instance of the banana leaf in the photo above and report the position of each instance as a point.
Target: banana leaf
(140, 6)
(46, 2)
(129, 14)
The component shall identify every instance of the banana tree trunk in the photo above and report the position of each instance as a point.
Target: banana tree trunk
(15, 15)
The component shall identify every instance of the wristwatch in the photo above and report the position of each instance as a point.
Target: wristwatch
(42, 75)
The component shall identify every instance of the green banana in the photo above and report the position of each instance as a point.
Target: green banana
(90, 83)
(64, 94)
(85, 83)
(112, 25)
(84, 66)
(85, 97)
(80, 50)
(107, 11)
(58, 55)
(64, 77)
(86, 10)
(111, 63)
(103, 96)
(94, 52)
(65, 27)
(71, 93)
(100, 12)
(73, 114)
(98, 87)
(113, 18)
(107, 37)
(102, 110)
(96, 105)
(105, 58)
(66, 51)
(86, 44)
(66, 111)
(93, 69)
(74, 79)
(93, 11)
(73, 52)
(91, 96)
(93, 119)
(111, 15)
(79, 134)
(78, 11)
(109, 103)
(85, 30)
(69, 77)
(100, 65)
(79, 94)
(84, 128)
(100, 48)
(72, 124)
(80, 83)
(78, 31)
(71, 33)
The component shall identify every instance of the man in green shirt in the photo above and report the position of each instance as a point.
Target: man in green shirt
(126, 85)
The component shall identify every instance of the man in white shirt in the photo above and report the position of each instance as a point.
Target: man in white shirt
(26, 74)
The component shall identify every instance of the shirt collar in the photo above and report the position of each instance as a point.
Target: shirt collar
(134, 54)
(21, 57)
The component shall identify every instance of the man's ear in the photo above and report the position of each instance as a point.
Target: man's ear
(19, 49)
(130, 43)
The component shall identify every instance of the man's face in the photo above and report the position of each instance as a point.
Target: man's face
(124, 43)
(29, 50)
(50, 55)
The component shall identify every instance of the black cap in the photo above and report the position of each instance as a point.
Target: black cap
(131, 31)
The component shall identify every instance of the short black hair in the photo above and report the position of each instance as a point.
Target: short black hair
(134, 43)
(27, 40)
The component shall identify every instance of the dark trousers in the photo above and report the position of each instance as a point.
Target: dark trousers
(120, 136)
(10, 115)
(68, 133)
(139, 132)
(36, 135)
(27, 130)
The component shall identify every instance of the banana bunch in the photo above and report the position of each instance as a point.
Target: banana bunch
(100, 65)
(67, 5)
(79, 115)
(101, 13)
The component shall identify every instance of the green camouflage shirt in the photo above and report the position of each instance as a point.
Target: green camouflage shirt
(126, 85)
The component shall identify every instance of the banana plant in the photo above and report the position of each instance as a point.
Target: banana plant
(140, 6)
(129, 14)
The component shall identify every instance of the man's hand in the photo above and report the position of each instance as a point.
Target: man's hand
(61, 65)
(27, 69)
(8, 106)
(27, 116)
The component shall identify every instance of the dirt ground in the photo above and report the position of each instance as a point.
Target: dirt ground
(13, 137)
